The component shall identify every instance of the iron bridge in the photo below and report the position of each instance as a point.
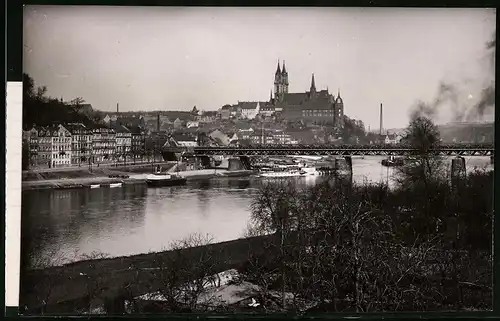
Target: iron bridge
(331, 150)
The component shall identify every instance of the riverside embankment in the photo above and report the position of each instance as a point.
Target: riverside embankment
(84, 178)
(80, 284)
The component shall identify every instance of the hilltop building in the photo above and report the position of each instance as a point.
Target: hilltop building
(313, 106)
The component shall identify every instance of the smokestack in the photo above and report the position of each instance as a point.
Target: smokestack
(117, 108)
(158, 122)
(381, 120)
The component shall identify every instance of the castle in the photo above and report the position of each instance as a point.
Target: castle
(313, 106)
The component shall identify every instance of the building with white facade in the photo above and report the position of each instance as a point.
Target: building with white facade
(249, 110)
(61, 146)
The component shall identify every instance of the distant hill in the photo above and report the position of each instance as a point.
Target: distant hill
(466, 132)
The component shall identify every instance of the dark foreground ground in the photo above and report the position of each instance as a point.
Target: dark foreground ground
(68, 288)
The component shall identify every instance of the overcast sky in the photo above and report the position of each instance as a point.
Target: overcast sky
(166, 58)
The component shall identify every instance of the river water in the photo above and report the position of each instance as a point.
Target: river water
(62, 225)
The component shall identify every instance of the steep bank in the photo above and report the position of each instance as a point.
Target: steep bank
(67, 285)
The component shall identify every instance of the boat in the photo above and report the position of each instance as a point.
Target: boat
(95, 186)
(309, 171)
(392, 161)
(115, 185)
(165, 179)
(281, 173)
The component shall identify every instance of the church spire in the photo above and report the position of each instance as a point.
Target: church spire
(278, 70)
(284, 68)
(313, 85)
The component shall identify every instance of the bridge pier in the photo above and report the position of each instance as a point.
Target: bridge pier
(203, 161)
(245, 161)
(343, 165)
(458, 171)
(170, 156)
(234, 164)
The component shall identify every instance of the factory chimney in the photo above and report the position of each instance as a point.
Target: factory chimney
(158, 122)
(381, 120)
(117, 108)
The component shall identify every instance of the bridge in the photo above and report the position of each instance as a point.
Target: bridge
(336, 150)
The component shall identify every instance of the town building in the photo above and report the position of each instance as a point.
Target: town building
(249, 110)
(392, 139)
(81, 143)
(30, 137)
(313, 106)
(208, 116)
(131, 121)
(54, 147)
(233, 138)
(44, 155)
(178, 123)
(281, 137)
(245, 133)
(123, 143)
(138, 142)
(267, 110)
(225, 112)
(184, 140)
(192, 124)
(103, 145)
(262, 137)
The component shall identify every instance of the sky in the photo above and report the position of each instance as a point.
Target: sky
(173, 58)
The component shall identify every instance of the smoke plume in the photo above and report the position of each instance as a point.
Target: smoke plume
(470, 99)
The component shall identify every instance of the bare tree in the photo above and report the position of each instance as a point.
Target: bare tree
(185, 272)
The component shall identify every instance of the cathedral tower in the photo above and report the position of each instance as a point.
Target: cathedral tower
(277, 83)
(280, 82)
(284, 79)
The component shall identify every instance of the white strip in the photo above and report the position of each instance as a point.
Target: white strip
(13, 170)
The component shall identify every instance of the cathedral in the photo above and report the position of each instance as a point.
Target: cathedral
(313, 106)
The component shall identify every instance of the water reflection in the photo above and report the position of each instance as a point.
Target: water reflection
(70, 221)
(137, 219)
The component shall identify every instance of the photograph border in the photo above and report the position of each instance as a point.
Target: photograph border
(14, 50)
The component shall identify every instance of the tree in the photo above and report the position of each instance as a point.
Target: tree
(43, 110)
(341, 248)
(424, 167)
(77, 103)
(353, 131)
(186, 272)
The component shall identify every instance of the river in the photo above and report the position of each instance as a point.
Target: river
(62, 225)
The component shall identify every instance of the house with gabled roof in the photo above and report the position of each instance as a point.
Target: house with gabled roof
(185, 140)
(249, 109)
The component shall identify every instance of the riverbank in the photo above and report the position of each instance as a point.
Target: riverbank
(100, 177)
(86, 172)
